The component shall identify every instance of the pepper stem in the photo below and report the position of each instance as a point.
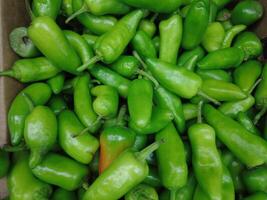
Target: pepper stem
(121, 115)
(82, 10)
(28, 101)
(136, 55)
(199, 114)
(142, 155)
(90, 62)
(29, 10)
(150, 77)
(255, 85)
(85, 130)
(207, 97)
(9, 73)
(259, 115)
(173, 194)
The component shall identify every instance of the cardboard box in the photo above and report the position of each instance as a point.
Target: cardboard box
(13, 14)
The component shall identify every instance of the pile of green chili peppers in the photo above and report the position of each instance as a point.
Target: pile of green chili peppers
(138, 100)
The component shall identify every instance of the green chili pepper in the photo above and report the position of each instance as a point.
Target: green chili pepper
(247, 12)
(60, 194)
(61, 171)
(250, 43)
(80, 45)
(247, 74)
(227, 25)
(127, 171)
(143, 45)
(221, 3)
(160, 119)
(120, 120)
(190, 111)
(113, 141)
(140, 106)
(255, 179)
(195, 24)
(111, 78)
(243, 144)
(49, 8)
(171, 160)
(180, 81)
(159, 6)
(213, 37)
(142, 191)
(83, 104)
(140, 142)
(216, 74)
(222, 59)
(257, 196)
(230, 35)
(57, 104)
(50, 40)
(223, 15)
(21, 43)
(106, 102)
(39, 94)
(188, 55)
(56, 83)
(90, 39)
(40, 133)
(156, 42)
(74, 139)
(170, 31)
(97, 24)
(22, 185)
(126, 66)
(152, 178)
(207, 164)
(66, 7)
(166, 99)
(235, 168)
(148, 26)
(245, 120)
(31, 70)
(4, 163)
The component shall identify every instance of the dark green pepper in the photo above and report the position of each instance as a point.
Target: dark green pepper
(57, 104)
(56, 83)
(142, 191)
(255, 180)
(49, 8)
(223, 15)
(4, 163)
(216, 74)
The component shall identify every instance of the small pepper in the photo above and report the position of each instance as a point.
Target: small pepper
(113, 141)
(216, 74)
(74, 139)
(148, 26)
(245, 120)
(21, 44)
(142, 191)
(223, 15)
(57, 104)
(188, 55)
(190, 111)
(33, 95)
(60, 194)
(4, 163)
(90, 39)
(31, 70)
(227, 25)
(255, 180)
(230, 35)
(56, 83)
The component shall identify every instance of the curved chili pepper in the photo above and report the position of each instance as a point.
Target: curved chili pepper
(216, 74)
(230, 35)
(171, 159)
(83, 104)
(60, 194)
(127, 171)
(57, 104)
(113, 141)
(255, 180)
(21, 44)
(148, 26)
(196, 21)
(245, 120)
(4, 163)
(49, 8)
(170, 31)
(39, 94)
(61, 171)
(188, 55)
(142, 191)
(40, 133)
(77, 143)
(243, 144)
(56, 83)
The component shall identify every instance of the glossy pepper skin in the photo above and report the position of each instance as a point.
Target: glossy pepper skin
(245, 120)
(127, 171)
(106, 102)
(90, 39)
(188, 55)
(148, 26)
(22, 184)
(83, 104)
(222, 59)
(241, 78)
(140, 142)
(56, 83)
(216, 74)
(180, 81)
(142, 191)
(170, 31)
(230, 35)
(111, 78)
(168, 100)
(113, 141)
(243, 144)
(39, 94)
(160, 6)
(66, 7)
(190, 111)
(60, 194)
(247, 12)
(222, 91)
(4, 163)
(79, 146)
(171, 159)
(57, 104)
(49, 8)
(207, 164)
(40, 133)
(97, 24)
(31, 70)
(195, 24)
(61, 171)
(140, 106)
(51, 41)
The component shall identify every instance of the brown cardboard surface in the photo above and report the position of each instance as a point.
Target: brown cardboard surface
(13, 14)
